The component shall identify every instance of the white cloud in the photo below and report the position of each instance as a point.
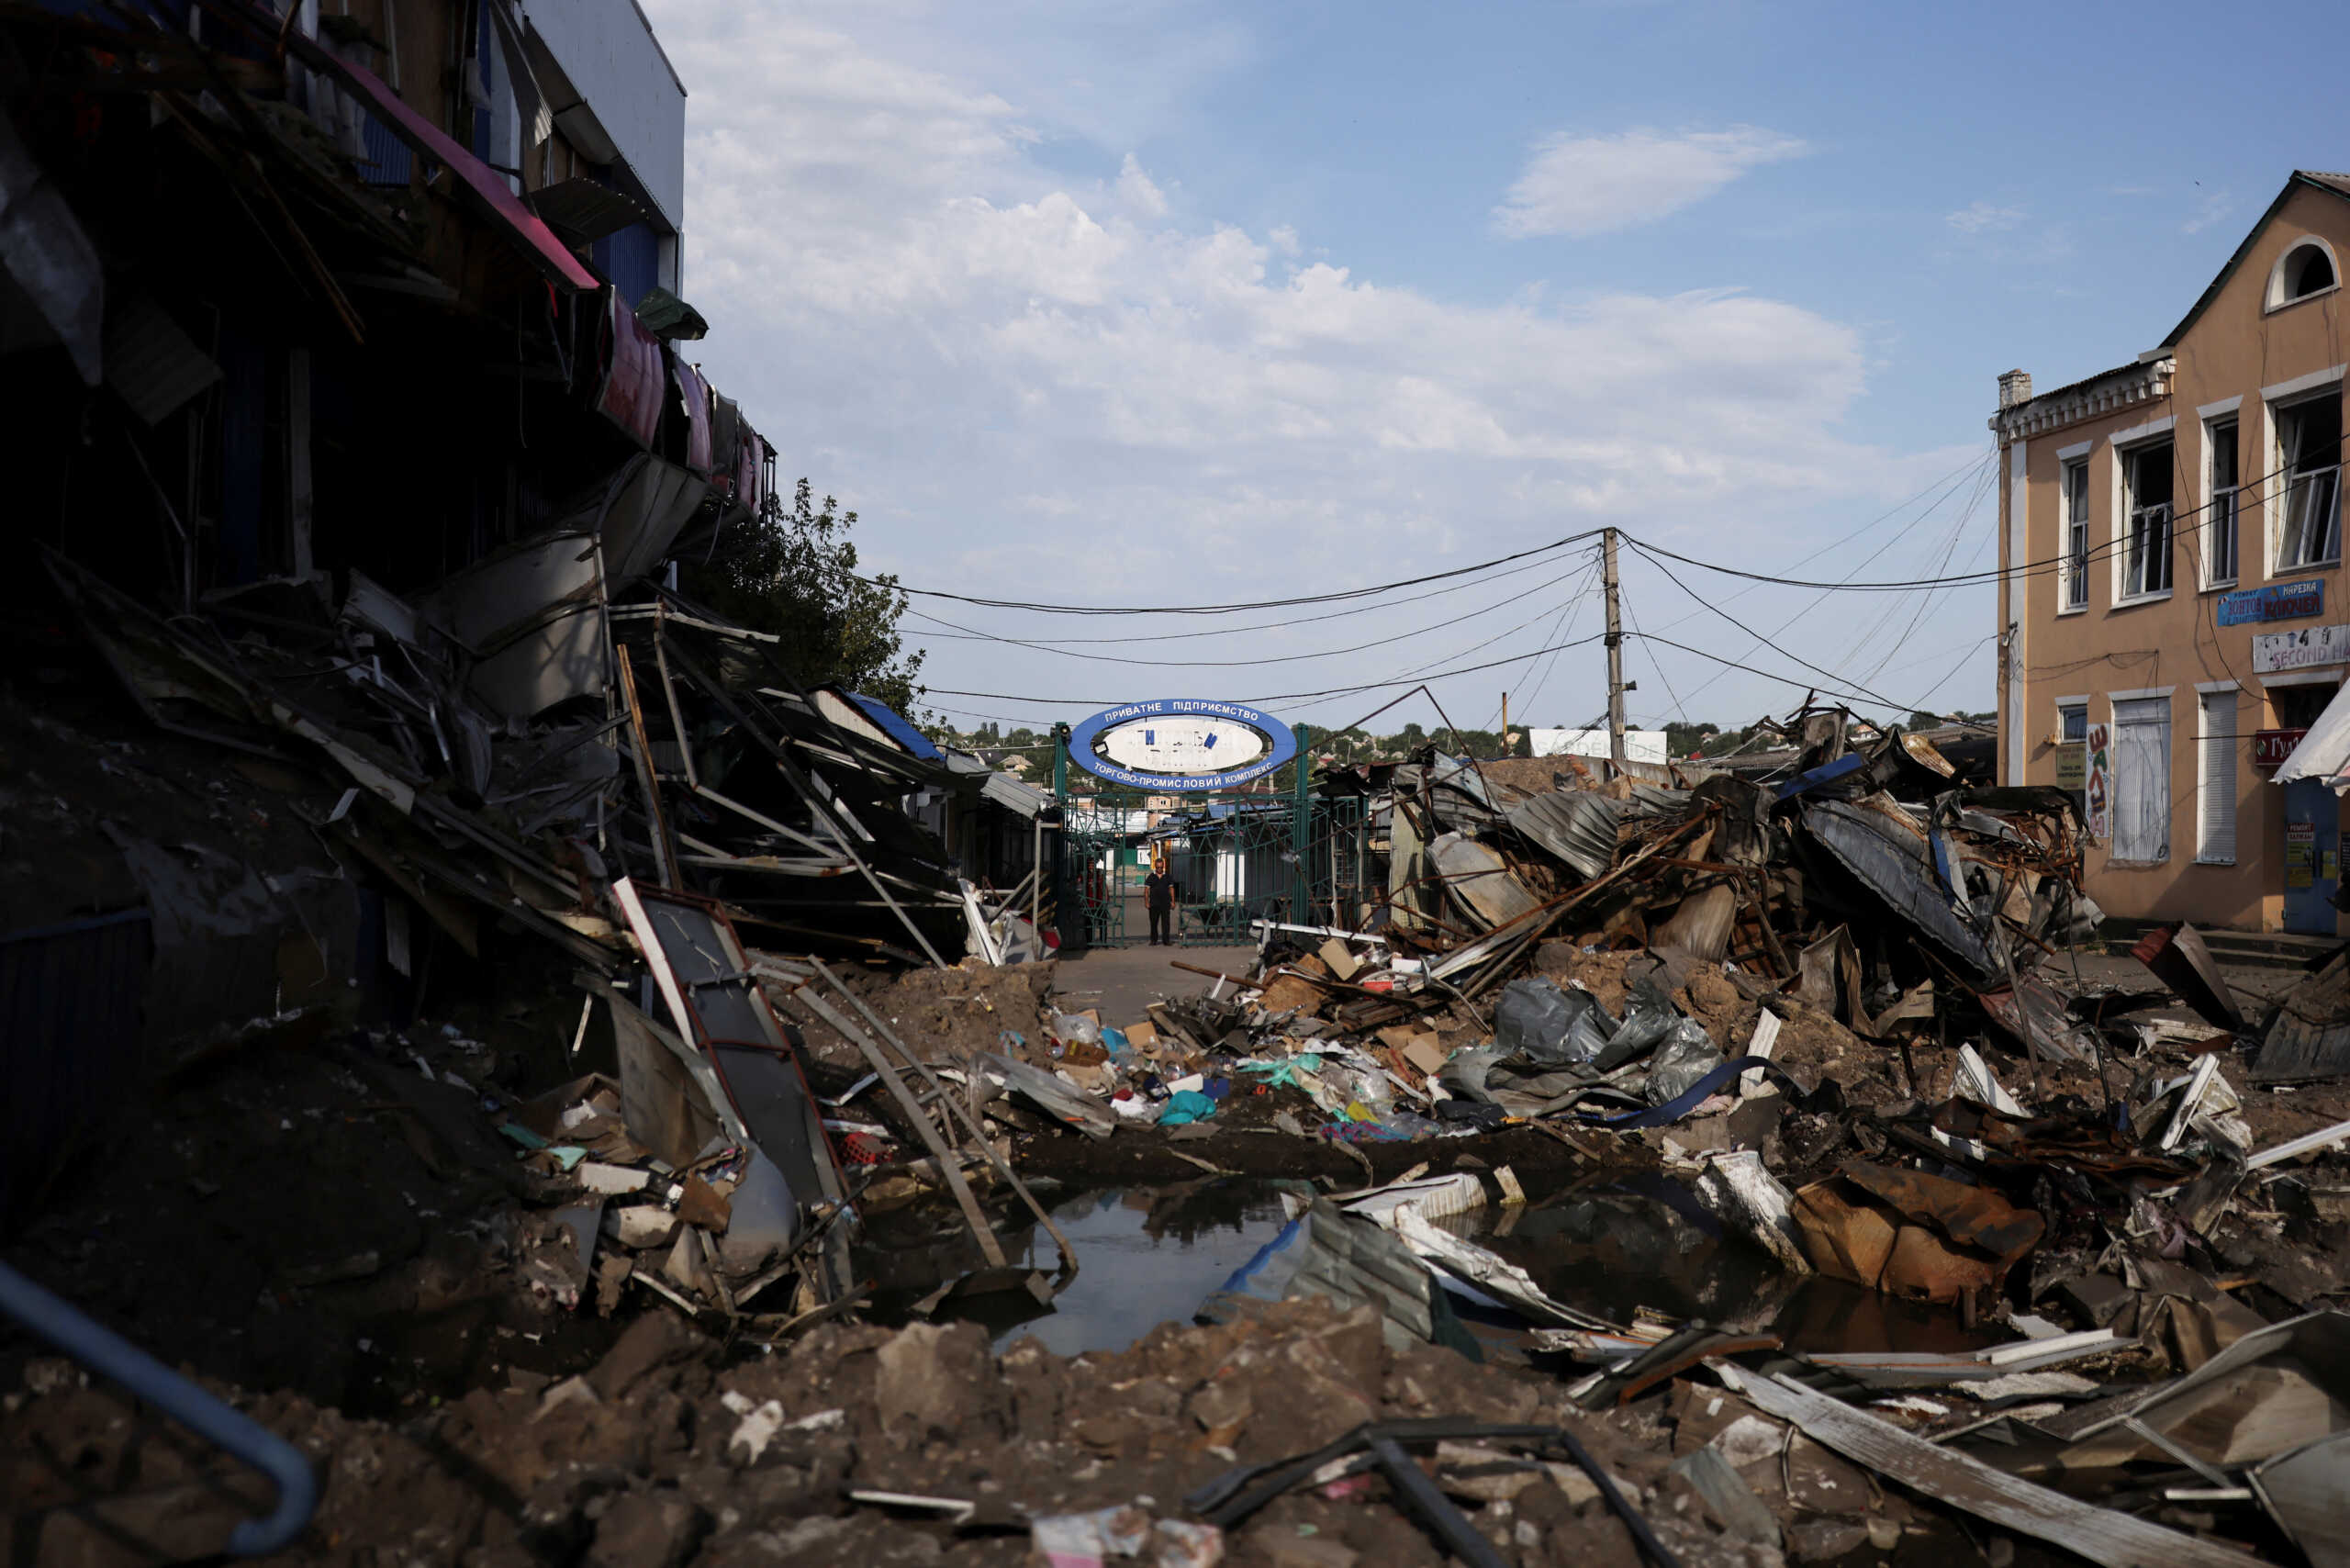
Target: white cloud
(2212, 208)
(1596, 185)
(1042, 388)
(1137, 189)
(1982, 218)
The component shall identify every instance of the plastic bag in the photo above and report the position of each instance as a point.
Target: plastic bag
(1464, 1075)
(1186, 1105)
(1686, 1055)
(1073, 1028)
(1536, 1019)
(1648, 1019)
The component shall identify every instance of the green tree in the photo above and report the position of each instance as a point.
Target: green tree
(793, 572)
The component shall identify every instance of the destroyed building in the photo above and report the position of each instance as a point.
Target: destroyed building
(499, 1068)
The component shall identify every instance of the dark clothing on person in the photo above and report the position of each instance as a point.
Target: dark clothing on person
(1158, 896)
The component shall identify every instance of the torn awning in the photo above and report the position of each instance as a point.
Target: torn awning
(694, 393)
(631, 390)
(486, 184)
(2324, 751)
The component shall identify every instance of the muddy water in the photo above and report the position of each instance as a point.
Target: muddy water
(1150, 1255)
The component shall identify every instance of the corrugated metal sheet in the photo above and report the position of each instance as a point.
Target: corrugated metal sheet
(153, 365)
(388, 158)
(1577, 825)
(70, 1002)
(1892, 862)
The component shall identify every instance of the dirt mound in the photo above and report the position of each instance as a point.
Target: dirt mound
(945, 1015)
(662, 1457)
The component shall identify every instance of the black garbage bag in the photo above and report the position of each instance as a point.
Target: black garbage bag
(1684, 1056)
(1537, 1021)
(1649, 1017)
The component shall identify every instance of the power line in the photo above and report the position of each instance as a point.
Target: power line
(2120, 541)
(1684, 587)
(1230, 609)
(1274, 659)
(1277, 696)
(1789, 679)
(973, 635)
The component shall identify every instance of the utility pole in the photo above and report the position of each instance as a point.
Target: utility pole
(1615, 648)
(1506, 750)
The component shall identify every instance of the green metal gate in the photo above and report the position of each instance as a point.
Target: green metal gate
(1234, 861)
(1297, 856)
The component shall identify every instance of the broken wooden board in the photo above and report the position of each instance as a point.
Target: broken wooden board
(2101, 1535)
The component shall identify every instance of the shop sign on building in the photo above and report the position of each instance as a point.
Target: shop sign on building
(2278, 601)
(1181, 743)
(2271, 747)
(2310, 647)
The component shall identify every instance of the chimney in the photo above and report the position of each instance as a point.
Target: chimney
(2014, 387)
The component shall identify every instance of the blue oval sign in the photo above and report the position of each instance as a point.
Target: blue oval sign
(1181, 743)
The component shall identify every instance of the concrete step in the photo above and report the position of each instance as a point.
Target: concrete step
(2236, 949)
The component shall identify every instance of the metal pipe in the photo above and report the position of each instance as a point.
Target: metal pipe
(110, 1355)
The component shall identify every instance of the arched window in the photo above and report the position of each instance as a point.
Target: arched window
(2306, 269)
(2309, 270)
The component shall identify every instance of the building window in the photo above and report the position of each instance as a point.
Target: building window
(2220, 517)
(2309, 452)
(2075, 562)
(2215, 780)
(2305, 270)
(2145, 501)
(2141, 779)
(2073, 742)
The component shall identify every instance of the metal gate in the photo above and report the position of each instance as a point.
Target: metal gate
(1234, 862)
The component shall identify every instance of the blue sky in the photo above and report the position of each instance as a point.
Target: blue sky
(1162, 303)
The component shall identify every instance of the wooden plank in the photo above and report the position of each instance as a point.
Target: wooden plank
(2104, 1537)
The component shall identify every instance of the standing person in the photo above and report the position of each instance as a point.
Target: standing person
(1158, 896)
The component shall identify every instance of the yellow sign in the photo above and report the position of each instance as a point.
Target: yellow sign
(1159, 856)
(2071, 766)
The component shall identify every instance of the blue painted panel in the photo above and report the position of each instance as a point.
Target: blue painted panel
(1284, 745)
(632, 260)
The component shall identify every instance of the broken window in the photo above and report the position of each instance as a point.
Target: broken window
(2309, 443)
(2146, 492)
(2219, 521)
(2076, 535)
(2141, 779)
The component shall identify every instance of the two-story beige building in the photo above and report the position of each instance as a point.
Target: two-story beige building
(2172, 605)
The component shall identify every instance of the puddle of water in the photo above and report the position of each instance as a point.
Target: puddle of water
(1646, 1241)
(1145, 1256)
(1150, 1255)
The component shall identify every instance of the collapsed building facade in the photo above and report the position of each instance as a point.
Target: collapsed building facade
(359, 429)
(358, 436)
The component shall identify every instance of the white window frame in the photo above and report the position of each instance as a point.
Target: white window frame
(2284, 494)
(2221, 506)
(2072, 564)
(2217, 784)
(2125, 555)
(2066, 706)
(2122, 785)
(2276, 298)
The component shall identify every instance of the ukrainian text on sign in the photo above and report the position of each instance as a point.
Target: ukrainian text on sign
(2278, 601)
(1181, 742)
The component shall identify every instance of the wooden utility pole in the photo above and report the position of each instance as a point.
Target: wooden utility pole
(1615, 649)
